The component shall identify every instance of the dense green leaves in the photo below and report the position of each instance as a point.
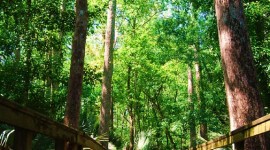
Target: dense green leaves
(156, 39)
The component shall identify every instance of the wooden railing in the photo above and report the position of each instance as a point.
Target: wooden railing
(28, 122)
(256, 127)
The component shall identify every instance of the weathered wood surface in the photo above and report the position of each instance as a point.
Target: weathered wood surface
(18, 116)
(256, 127)
(23, 139)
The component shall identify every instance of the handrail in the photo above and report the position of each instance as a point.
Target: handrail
(256, 127)
(21, 117)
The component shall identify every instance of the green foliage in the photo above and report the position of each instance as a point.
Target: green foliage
(35, 41)
(155, 39)
(258, 22)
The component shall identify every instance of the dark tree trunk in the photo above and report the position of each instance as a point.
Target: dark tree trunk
(72, 114)
(76, 69)
(17, 50)
(239, 72)
(112, 111)
(27, 77)
(131, 130)
(106, 102)
(131, 106)
(191, 106)
(130, 111)
(200, 98)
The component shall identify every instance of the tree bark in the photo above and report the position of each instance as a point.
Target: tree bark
(200, 98)
(239, 73)
(131, 103)
(76, 69)
(191, 105)
(131, 130)
(73, 105)
(106, 103)
(130, 111)
(27, 77)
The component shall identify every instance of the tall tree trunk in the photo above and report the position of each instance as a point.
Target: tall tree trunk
(137, 104)
(111, 111)
(200, 98)
(49, 85)
(130, 111)
(17, 51)
(55, 67)
(131, 130)
(106, 103)
(27, 77)
(191, 105)
(72, 114)
(239, 72)
(76, 69)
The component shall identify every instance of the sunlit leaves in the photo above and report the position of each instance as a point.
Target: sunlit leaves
(156, 38)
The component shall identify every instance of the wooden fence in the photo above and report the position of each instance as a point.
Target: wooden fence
(28, 122)
(256, 127)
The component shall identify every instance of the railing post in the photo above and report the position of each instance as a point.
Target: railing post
(63, 145)
(28, 122)
(60, 144)
(23, 139)
(80, 147)
(74, 146)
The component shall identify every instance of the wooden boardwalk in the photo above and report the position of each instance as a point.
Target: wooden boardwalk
(28, 122)
(259, 126)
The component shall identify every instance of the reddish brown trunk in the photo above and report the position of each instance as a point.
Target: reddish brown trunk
(106, 102)
(76, 69)
(239, 73)
(191, 116)
(73, 105)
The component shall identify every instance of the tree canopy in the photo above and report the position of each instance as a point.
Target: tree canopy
(155, 43)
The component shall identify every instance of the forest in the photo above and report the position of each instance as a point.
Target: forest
(139, 74)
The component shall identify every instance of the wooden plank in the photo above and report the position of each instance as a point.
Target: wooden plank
(23, 139)
(59, 144)
(256, 127)
(18, 116)
(63, 145)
